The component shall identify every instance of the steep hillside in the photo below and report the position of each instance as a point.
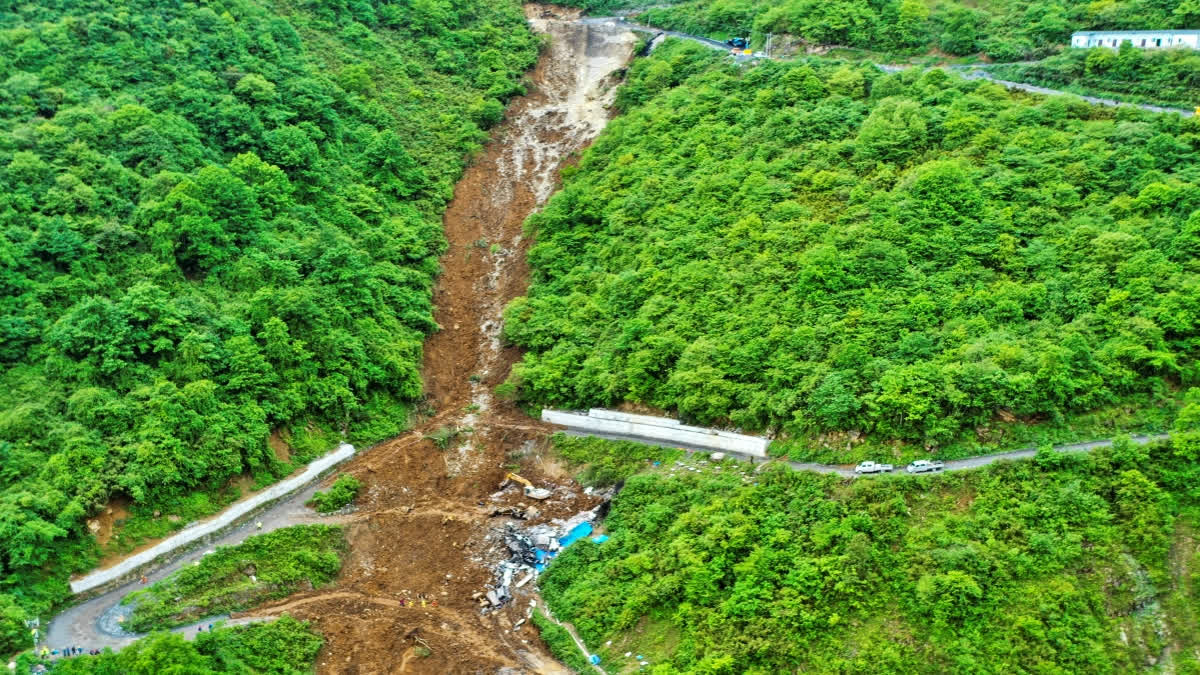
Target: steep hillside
(815, 249)
(1004, 30)
(216, 220)
(1061, 564)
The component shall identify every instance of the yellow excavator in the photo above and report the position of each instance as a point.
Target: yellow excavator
(530, 491)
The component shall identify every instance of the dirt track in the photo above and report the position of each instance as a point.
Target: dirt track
(423, 520)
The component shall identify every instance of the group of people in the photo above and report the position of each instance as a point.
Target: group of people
(46, 652)
(430, 602)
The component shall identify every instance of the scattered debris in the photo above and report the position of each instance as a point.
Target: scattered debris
(530, 491)
(510, 511)
(529, 550)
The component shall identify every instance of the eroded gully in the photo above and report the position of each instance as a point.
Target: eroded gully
(419, 529)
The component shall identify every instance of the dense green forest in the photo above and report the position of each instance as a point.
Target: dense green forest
(1152, 76)
(216, 219)
(1004, 30)
(1061, 564)
(282, 647)
(235, 578)
(815, 248)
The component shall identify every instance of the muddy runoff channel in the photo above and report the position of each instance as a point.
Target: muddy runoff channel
(425, 525)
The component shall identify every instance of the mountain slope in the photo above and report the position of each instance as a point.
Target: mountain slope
(817, 250)
(216, 220)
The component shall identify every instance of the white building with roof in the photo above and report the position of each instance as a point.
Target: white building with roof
(1141, 39)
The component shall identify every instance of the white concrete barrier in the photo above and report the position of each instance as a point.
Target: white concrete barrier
(197, 531)
(663, 430)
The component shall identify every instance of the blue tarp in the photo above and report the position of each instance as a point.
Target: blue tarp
(578, 532)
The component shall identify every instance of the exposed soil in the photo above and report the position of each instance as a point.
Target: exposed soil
(105, 523)
(422, 526)
(279, 445)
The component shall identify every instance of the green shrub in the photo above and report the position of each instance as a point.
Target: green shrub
(603, 462)
(343, 491)
(560, 643)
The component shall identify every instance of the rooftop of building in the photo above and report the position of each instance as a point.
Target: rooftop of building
(1172, 31)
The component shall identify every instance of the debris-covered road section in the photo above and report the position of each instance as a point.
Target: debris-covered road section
(439, 573)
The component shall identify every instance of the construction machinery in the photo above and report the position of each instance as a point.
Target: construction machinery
(738, 42)
(530, 491)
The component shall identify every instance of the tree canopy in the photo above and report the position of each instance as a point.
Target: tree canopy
(1004, 30)
(1059, 564)
(910, 256)
(218, 219)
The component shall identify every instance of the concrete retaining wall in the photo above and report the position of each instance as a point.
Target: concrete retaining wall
(658, 430)
(197, 531)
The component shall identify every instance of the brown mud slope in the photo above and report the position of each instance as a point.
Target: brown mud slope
(423, 522)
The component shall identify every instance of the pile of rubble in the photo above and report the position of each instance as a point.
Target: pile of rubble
(529, 550)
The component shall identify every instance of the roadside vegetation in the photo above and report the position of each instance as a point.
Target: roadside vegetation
(560, 643)
(343, 491)
(836, 255)
(233, 578)
(1002, 30)
(282, 647)
(1165, 77)
(216, 221)
(600, 463)
(1062, 563)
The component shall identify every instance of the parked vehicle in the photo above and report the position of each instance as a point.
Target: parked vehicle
(872, 467)
(924, 465)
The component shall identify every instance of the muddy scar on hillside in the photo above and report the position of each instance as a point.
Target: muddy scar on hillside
(423, 525)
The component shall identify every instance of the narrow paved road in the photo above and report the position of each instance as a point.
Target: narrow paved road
(984, 75)
(969, 72)
(984, 460)
(91, 624)
(847, 470)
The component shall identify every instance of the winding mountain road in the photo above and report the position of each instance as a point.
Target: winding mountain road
(984, 460)
(92, 624)
(969, 72)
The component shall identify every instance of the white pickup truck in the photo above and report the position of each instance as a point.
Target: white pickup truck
(924, 465)
(872, 467)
